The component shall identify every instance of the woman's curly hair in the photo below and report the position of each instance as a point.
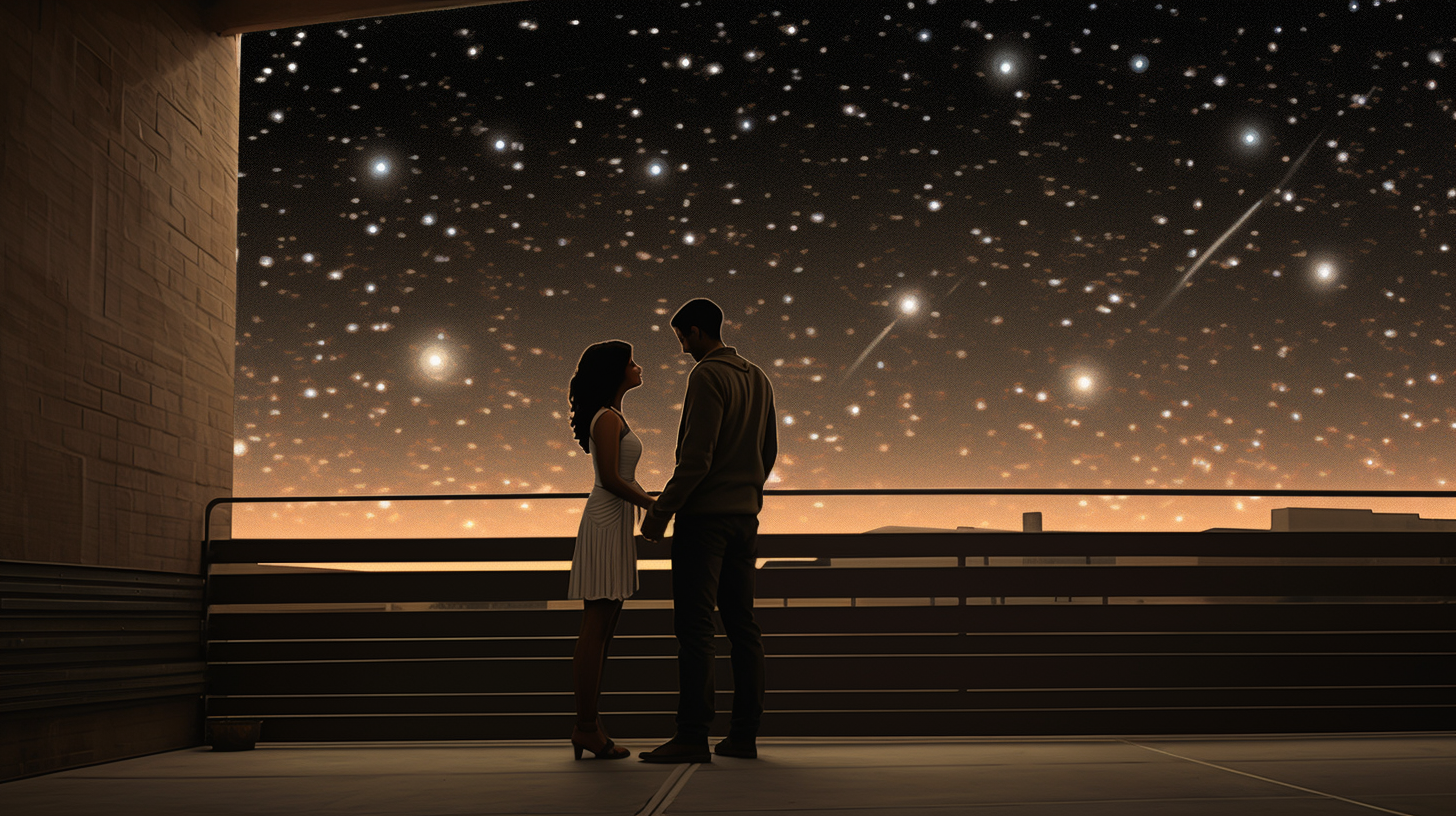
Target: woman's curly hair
(599, 373)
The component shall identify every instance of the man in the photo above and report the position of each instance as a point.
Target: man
(726, 445)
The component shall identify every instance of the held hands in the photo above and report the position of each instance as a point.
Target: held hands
(653, 529)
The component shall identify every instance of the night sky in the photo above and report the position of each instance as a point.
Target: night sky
(974, 244)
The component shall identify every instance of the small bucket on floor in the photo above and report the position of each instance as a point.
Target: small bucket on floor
(233, 734)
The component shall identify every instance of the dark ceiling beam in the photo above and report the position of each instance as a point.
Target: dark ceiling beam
(242, 16)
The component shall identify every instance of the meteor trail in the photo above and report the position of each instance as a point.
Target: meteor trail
(888, 329)
(1187, 276)
(868, 349)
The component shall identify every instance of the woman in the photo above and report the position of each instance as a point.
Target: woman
(604, 568)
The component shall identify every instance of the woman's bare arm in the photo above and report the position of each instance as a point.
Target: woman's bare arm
(606, 441)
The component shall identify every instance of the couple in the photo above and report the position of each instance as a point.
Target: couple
(726, 446)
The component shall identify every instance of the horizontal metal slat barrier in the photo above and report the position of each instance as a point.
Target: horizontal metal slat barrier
(77, 636)
(942, 634)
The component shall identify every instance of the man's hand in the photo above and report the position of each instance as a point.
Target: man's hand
(652, 529)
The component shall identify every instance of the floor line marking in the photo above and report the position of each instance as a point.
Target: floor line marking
(1267, 779)
(671, 787)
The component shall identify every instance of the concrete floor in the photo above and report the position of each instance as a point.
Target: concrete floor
(1255, 776)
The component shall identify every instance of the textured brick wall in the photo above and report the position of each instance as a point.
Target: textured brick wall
(118, 193)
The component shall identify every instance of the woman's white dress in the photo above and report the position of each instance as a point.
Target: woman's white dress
(605, 563)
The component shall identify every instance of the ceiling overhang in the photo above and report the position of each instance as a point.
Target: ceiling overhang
(242, 16)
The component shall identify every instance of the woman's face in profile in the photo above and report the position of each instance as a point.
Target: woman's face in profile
(633, 376)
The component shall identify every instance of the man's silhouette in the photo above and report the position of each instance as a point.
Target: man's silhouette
(726, 445)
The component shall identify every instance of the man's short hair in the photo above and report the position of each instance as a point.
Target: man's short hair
(702, 313)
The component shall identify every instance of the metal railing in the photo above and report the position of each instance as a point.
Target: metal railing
(909, 491)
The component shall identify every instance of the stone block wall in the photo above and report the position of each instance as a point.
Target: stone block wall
(118, 217)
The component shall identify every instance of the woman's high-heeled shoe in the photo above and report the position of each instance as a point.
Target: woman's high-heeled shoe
(607, 751)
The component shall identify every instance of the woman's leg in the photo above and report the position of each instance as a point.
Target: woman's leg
(598, 621)
(606, 652)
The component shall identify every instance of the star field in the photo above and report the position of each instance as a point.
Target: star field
(974, 244)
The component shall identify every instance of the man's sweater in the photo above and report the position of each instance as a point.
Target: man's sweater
(727, 440)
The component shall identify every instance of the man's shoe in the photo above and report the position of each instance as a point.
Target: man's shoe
(673, 751)
(741, 748)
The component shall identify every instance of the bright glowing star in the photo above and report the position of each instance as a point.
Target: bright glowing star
(713, 69)
(1250, 137)
(656, 169)
(500, 144)
(1084, 383)
(265, 261)
(240, 448)
(1435, 57)
(1005, 67)
(369, 287)
(308, 257)
(817, 218)
(752, 55)
(450, 231)
(1325, 272)
(685, 62)
(372, 229)
(428, 219)
(351, 328)
(1041, 396)
(380, 167)
(436, 361)
(854, 410)
(745, 124)
(1138, 63)
(933, 205)
(379, 386)
(336, 275)
(923, 35)
(788, 420)
(276, 116)
(909, 304)
(1220, 80)
(690, 239)
(310, 392)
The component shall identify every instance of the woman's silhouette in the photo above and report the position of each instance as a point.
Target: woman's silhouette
(604, 568)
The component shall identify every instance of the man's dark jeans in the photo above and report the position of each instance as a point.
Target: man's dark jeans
(712, 563)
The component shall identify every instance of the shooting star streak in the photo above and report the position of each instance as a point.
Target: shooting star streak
(1192, 270)
(869, 349)
(886, 333)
